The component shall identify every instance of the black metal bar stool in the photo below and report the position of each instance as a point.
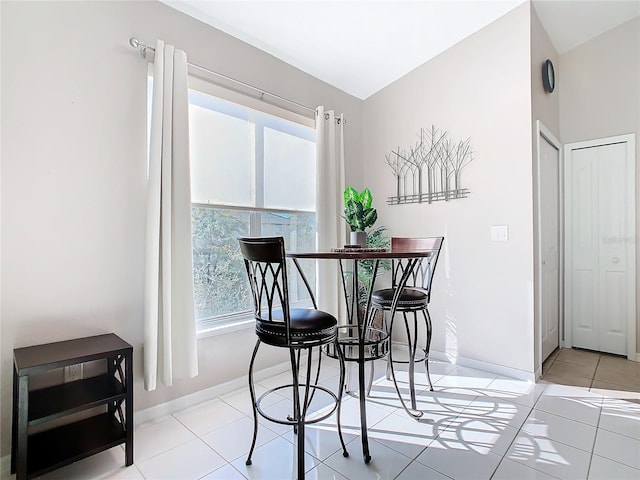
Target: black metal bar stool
(413, 298)
(300, 330)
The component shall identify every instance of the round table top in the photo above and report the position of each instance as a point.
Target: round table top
(357, 254)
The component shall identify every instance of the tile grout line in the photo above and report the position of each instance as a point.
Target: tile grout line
(593, 378)
(595, 437)
(415, 459)
(512, 442)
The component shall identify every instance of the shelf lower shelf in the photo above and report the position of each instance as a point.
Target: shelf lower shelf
(61, 446)
(61, 400)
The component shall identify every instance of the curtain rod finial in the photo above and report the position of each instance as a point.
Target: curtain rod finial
(135, 43)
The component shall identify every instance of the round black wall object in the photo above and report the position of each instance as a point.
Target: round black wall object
(548, 76)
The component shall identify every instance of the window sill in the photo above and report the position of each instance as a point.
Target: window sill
(213, 328)
(238, 324)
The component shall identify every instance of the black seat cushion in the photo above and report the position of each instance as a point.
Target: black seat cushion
(409, 298)
(307, 326)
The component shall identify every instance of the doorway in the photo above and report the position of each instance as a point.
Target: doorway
(600, 264)
(549, 208)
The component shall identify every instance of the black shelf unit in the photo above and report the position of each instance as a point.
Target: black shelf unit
(33, 454)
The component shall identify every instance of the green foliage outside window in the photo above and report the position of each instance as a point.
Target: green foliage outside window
(220, 283)
(220, 279)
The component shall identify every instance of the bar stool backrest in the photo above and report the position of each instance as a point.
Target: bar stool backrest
(422, 275)
(265, 262)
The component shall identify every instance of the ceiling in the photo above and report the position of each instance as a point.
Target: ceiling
(361, 46)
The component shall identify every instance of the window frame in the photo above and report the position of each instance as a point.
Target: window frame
(273, 117)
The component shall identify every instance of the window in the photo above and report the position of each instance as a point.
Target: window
(252, 174)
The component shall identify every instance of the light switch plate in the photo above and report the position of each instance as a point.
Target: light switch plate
(499, 233)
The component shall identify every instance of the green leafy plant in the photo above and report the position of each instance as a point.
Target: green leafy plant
(358, 210)
(360, 215)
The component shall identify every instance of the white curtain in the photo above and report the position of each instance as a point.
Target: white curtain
(169, 318)
(329, 205)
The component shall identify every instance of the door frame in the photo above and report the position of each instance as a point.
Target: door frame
(543, 132)
(630, 140)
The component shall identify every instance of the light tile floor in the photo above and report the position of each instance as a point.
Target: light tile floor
(582, 421)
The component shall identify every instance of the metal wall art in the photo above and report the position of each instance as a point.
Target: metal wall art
(432, 170)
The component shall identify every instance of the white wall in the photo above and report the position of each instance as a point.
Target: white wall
(545, 106)
(74, 179)
(482, 306)
(599, 85)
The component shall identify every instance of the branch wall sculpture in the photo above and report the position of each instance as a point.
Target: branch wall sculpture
(431, 170)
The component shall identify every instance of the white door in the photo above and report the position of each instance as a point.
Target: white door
(549, 171)
(600, 250)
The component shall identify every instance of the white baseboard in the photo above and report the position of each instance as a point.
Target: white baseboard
(538, 374)
(200, 396)
(484, 366)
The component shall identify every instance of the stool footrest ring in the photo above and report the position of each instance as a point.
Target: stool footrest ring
(376, 343)
(292, 421)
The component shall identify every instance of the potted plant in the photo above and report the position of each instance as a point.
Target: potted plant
(359, 214)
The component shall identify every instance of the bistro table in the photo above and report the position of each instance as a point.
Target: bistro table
(359, 335)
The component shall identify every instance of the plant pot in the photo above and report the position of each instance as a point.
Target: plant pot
(358, 238)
